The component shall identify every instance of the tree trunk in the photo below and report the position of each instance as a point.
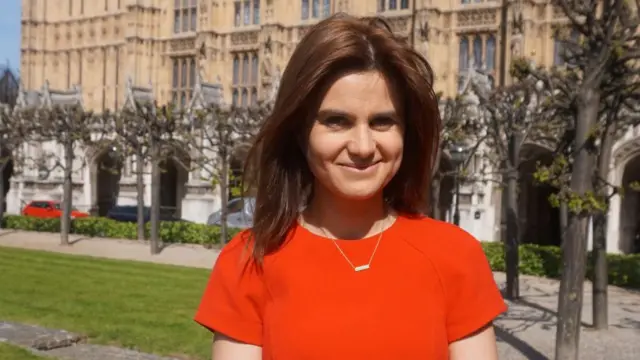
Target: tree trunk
(511, 254)
(433, 207)
(575, 246)
(511, 246)
(564, 222)
(224, 198)
(3, 167)
(435, 197)
(140, 189)
(155, 206)
(67, 188)
(600, 272)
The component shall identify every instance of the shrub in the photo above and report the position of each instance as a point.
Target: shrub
(546, 261)
(535, 260)
(170, 231)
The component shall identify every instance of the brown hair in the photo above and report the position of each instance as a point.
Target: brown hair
(276, 164)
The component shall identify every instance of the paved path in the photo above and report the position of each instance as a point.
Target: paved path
(174, 254)
(526, 331)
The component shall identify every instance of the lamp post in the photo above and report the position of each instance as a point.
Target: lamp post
(458, 154)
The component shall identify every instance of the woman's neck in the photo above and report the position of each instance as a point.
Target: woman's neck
(329, 215)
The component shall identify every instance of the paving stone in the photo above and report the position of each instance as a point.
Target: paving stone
(65, 345)
(527, 331)
(37, 337)
(99, 352)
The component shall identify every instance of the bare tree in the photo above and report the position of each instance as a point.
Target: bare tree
(131, 141)
(61, 130)
(604, 33)
(512, 116)
(12, 137)
(459, 126)
(217, 132)
(148, 131)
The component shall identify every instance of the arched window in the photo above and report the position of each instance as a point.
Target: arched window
(183, 74)
(463, 54)
(315, 8)
(176, 73)
(256, 12)
(254, 69)
(245, 69)
(244, 100)
(236, 70)
(326, 8)
(477, 52)
(557, 51)
(305, 10)
(254, 96)
(491, 52)
(192, 72)
(234, 98)
(246, 9)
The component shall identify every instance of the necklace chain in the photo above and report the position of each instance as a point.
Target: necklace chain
(355, 268)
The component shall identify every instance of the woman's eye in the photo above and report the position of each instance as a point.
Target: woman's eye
(334, 121)
(382, 123)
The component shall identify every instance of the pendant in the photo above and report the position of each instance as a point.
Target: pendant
(361, 267)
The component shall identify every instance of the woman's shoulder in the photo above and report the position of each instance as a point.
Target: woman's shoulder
(443, 243)
(239, 250)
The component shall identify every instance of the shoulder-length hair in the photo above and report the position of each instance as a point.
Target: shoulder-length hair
(276, 165)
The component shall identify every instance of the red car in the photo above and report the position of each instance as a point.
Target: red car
(49, 209)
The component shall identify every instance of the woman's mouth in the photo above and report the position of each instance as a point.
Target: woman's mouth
(360, 167)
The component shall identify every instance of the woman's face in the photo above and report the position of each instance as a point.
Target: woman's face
(356, 140)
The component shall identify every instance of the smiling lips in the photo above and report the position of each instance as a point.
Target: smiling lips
(360, 167)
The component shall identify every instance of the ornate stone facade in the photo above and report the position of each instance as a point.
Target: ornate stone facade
(168, 44)
(99, 45)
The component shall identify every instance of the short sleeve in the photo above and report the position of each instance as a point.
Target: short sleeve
(233, 299)
(472, 296)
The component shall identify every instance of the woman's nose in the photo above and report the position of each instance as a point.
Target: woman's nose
(362, 143)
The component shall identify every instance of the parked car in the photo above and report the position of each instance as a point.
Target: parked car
(129, 213)
(239, 213)
(49, 209)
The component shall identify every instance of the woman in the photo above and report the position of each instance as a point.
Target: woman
(358, 273)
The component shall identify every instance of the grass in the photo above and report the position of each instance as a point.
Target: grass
(11, 352)
(142, 306)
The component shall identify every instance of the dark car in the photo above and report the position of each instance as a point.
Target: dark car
(129, 213)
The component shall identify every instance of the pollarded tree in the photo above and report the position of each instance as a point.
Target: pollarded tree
(217, 131)
(460, 126)
(606, 37)
(62, 131)
(513, 116)
(150, 133)
(13, 135)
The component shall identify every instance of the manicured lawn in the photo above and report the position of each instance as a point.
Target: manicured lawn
(148, 307)
(10, 352)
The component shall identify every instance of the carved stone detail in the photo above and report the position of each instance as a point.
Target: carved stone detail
(245, 38)
(182, 45)
(626, 151)
(476, 17)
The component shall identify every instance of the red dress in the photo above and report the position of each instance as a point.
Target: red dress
(429, 285)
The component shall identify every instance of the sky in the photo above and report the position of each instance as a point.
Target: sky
(10, 33)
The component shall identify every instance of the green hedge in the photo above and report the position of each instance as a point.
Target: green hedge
(170, 232)
(546, 261)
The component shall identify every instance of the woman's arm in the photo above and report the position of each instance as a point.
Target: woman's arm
(225, 348)
(481, 345)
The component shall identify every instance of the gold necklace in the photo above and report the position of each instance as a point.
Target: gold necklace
(355, 268)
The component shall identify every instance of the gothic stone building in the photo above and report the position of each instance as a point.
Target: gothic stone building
(243, 44)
